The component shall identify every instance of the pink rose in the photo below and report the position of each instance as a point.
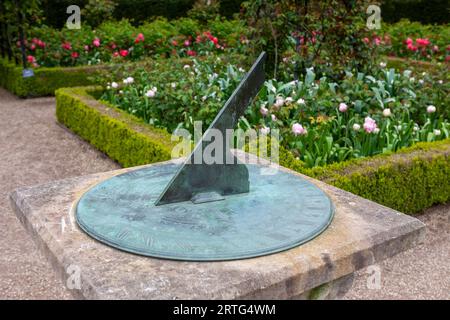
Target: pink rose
(96, 42)
(377, 40)
(123, 52)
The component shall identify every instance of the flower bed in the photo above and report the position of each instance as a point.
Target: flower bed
(321, 121)
(119, 41)
(409, 180)
(415, 41)
(66, 58)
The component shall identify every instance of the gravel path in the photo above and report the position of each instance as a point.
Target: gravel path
(34, 150)
(420, 273)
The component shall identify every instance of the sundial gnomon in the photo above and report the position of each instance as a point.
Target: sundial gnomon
(173, 211)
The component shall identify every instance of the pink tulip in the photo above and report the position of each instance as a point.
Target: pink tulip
(264, 111)
(369, 125)
(297, 129)
(343, 107)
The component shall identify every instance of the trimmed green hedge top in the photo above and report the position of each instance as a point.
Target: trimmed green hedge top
(121, 136)
(409, 180)
(45, 80)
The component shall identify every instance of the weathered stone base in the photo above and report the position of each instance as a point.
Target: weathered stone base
(362, 233)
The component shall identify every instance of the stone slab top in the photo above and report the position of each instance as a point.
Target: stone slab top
(362, 233)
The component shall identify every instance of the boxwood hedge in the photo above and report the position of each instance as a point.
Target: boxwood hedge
(45, 81)
(123, 137)
(409, 180)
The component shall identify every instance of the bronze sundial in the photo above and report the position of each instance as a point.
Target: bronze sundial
(207, 212)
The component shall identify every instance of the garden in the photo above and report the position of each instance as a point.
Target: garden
(338, 91)
(349, 100)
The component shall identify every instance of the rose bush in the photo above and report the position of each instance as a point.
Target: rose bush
(414, 40)
(114, 41)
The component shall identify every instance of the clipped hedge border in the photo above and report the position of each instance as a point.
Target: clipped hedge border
(123, 137)
(410, 180)
(45, 80)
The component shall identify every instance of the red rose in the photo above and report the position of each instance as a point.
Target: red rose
(31, 59)
(123, 52)
(191, 53)
(75, 55)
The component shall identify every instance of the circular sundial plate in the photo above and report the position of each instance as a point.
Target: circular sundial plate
(280, 212)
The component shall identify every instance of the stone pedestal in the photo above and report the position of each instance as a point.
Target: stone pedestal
(362, 233)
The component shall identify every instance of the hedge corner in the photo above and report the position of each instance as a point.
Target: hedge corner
(121, 136)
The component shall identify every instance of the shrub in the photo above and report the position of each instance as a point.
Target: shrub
(119, 41)
(417, 41)
(97, 11)
(325, 34)
(137, 10)
(425, 11)
(121, 136)
(410, 181)
(45, 80)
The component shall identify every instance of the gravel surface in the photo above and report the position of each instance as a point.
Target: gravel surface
(420, 273)
(34, 150)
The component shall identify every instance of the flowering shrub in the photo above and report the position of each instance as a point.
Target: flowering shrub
(120, 41)
(300, 34)
(416, 41)
(322, 121)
